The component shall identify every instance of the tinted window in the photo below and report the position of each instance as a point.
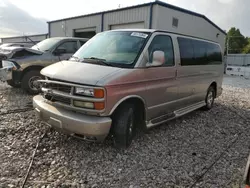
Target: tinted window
(214, 53)
(70, 47)
(186, 51)
(196, 52)
(200, 52)
(162, 43)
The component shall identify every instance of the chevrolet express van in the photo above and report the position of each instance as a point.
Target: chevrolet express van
(121, 81)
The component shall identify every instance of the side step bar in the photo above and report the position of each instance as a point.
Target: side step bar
(188, 109)
(175, 114)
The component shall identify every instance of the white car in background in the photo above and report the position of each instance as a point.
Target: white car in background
(243, 71)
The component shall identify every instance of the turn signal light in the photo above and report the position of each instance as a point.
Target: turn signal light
(98, 93)
(99, 105)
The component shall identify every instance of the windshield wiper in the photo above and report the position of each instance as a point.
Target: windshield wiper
(76, 58)
(99, 60)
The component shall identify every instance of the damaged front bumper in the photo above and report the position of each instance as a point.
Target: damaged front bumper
(6, 73)
(92, 128)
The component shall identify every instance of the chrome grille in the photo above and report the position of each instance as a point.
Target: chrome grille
(55, 98)
(63, 95)
(59, 87)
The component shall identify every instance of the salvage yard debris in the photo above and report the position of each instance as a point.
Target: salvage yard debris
(202, 149)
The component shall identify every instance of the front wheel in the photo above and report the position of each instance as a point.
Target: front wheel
(209, 98)
(29, 82)
(124, 126)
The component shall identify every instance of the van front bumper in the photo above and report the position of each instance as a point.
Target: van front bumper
(89, 127)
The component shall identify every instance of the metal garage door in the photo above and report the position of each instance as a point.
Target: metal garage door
(138, 25)
(85, 32)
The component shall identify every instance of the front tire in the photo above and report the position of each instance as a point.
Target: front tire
(29, 82)
(124, 126)
(210, 97)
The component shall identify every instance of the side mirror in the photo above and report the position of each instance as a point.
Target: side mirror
(60, 51)
(158, 59)
(247, 174)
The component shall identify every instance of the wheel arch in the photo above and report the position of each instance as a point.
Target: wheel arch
(134, 99)
(214, 85)
(29, 68)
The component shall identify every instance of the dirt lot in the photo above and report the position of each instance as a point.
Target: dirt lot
(202, 149)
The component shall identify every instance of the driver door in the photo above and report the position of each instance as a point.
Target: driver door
(162, 86)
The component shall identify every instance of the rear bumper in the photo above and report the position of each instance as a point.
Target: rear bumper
(96, 128)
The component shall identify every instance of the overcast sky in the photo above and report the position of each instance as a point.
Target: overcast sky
(225, 13)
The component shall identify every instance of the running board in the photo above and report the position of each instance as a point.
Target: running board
(176, 114)
(188, 109)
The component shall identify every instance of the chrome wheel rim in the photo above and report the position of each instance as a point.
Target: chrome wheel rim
(210, 98)
(33, 84)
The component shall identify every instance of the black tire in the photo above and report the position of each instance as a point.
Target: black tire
(13, 84)
(28, 79)
(210, 97)
(123, 127)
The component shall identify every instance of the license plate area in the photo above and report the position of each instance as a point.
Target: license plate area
(55, 122)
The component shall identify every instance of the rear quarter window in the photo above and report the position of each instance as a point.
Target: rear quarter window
(198, 52)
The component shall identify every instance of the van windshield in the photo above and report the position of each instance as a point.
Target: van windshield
(116, 48)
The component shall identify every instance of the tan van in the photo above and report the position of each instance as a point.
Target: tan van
(122, 80)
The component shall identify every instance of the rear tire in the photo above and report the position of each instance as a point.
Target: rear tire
(13, 84)
(29, 83)
(210, 97)
(123, 127)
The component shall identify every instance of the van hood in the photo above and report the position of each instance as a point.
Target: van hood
(78, 72)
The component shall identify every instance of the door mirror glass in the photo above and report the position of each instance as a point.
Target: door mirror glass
(157, 60)
(60, 51)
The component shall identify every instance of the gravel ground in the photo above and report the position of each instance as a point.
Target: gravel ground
(201, 149)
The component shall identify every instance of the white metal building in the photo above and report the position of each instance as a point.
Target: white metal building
(155, 15)
(25, 39)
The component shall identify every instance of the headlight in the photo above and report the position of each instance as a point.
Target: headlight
(8, 64)
(97, 93)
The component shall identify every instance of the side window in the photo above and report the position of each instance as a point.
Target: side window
(186, 51)
(70, 46)
(214, 55)
(196, 52)
(162, 43)
(200, 52)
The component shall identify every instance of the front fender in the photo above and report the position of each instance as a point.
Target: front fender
(124, 99)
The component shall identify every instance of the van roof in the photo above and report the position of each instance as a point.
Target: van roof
(163, 31)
